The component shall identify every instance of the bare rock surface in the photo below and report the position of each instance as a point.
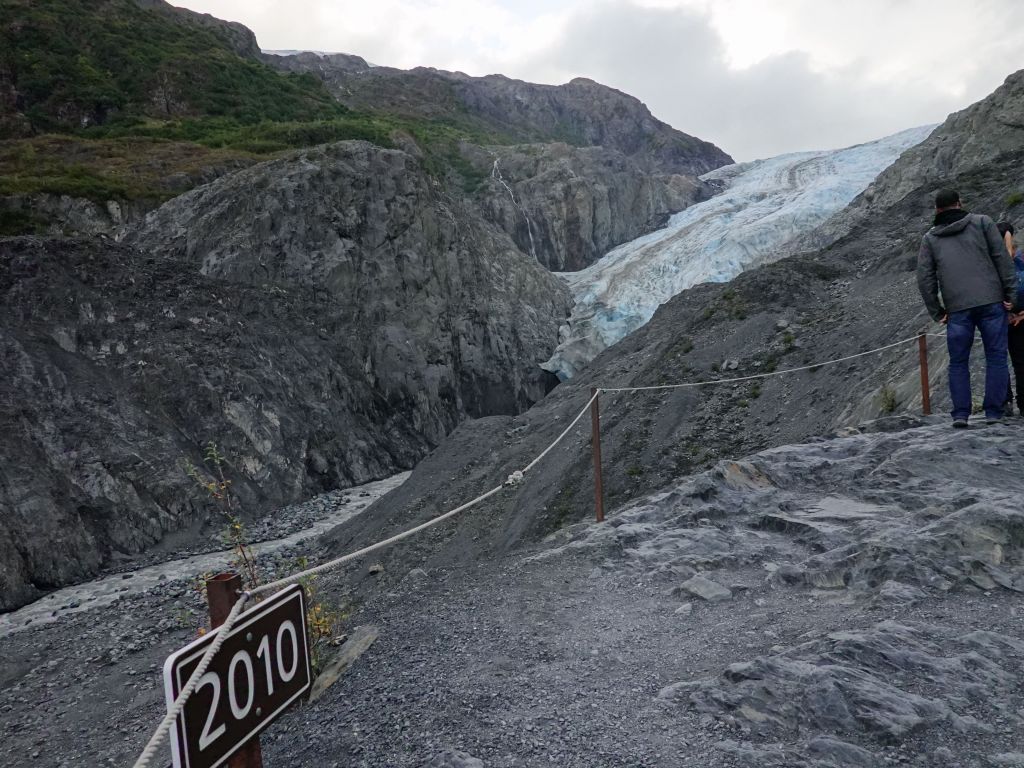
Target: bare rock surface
(940, 512)
(568, 206)
(326, 318)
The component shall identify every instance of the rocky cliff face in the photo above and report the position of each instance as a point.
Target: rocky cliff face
(325, 318)
(568, 206)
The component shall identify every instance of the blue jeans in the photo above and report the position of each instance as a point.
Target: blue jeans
(991, 320)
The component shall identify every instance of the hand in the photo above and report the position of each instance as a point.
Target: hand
(1007, 305)
(1017, 319)
(944, 319)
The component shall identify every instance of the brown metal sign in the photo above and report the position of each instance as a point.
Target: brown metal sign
(260, 670)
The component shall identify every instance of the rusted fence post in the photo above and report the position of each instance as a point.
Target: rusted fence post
(926, 391)
(595, 442)
(222, 592)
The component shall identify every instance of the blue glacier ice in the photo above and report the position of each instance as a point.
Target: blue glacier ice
(764, 205)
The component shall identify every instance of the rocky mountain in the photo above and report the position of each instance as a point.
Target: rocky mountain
(583, 167)
(569, 171)
(325, 318)
(581, 113)
(68, 65)
(854, 295)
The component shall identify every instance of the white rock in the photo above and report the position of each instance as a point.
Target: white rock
(706, 589)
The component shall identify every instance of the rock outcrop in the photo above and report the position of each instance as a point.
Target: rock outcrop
(567, 206)
(325, 318)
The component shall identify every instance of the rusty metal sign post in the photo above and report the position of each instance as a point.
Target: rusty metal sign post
(262, 668)
(926, 394)
(595, 442)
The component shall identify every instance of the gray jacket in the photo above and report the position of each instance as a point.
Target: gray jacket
(968, 261)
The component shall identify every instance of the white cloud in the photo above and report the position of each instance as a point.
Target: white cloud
(756, 77)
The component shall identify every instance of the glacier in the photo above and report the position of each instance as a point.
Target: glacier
(763, 206)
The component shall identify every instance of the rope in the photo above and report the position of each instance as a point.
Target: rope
(175, 709)
(179, 703)
(760, 375)
(514, 479)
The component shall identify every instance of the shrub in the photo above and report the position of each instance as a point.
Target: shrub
(887, 396)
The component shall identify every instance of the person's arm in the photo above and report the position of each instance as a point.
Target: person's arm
(928, 281)
(1008, 239)
(1002, 260)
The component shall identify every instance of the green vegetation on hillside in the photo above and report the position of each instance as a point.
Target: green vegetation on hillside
(76, 63)
(120, 101)
(106, 169)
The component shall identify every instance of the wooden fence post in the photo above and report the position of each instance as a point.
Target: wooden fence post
(595, 442)
(222, 592)
(926, 392)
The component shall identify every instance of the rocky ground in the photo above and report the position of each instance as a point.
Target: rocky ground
(853, 601)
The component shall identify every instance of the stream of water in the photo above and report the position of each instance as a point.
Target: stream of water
(108, 589)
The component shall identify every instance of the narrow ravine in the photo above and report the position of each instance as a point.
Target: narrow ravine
(109, 589)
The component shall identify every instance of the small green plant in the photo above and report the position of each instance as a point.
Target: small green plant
(788, 340)
(1014, 199)
(562, 509)
(322, 620)
(635, 471)
(755, 390)
(214, 482)
(888, 399)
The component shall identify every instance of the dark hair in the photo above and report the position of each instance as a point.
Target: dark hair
(947, 198)
(1004, 227)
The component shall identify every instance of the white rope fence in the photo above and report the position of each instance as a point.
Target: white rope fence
(513, 480)
(760, 375)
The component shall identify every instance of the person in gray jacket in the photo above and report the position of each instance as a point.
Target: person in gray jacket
(968, 282)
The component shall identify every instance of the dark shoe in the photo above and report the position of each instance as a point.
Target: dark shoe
(993, 420)
(959, 423)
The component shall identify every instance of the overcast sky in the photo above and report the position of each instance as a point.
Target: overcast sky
(757, 77)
